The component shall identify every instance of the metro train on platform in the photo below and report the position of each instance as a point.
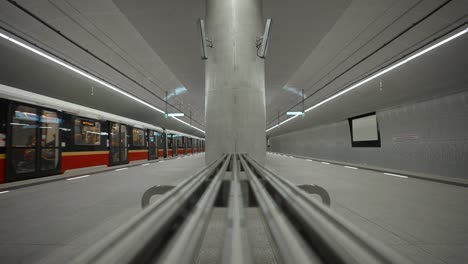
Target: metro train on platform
(46, 136)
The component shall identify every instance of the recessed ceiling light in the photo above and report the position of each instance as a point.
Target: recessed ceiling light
(295, 113)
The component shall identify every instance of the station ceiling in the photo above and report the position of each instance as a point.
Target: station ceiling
(316, 46)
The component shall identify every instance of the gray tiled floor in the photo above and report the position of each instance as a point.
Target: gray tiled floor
(55, 221)
(425, 221)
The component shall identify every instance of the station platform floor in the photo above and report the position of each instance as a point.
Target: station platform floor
(423, 220)
(52, 222)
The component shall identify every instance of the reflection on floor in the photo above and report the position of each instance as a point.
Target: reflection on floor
(58, 220)
(425, 221)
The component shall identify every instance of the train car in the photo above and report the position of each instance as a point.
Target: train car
(138, 144)
(195, 145)
(170, 145)
(84, 142)
(162, 144)
(180, 145)
(189, 145)
(32, 146)
(183, 143)
(47, 136)
(153, 151)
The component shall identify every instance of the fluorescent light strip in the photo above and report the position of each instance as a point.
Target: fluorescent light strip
(287, 120)
(121, 169)
(4, 192)
(349, 167)
(175, 114)
(396, 175)
(82, 73)
(294, 113)
(75, 178)
(396, 65)
(182, 121)
(326, 163)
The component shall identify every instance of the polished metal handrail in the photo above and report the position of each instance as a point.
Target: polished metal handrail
(330, 236)
(236, 243)
(138, 240)
(302, 230)
(183, 248)
(291, 246)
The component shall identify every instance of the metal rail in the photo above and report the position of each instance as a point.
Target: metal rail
(236, 244)
(330, 236)
(292, 248)
(140, 239)
(184, 246)
(302, 230)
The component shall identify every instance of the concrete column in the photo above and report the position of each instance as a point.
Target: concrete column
(235, 79)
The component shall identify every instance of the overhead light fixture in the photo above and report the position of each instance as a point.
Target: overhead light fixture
(182, 121)
(204, 41)
(84, 74)
(174, 114)
(380, 73)
(295, 113)
(285, 121)
(264, 40)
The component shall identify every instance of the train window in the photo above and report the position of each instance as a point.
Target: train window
(115, 143)
(160, 140)
(87, 132)
(138, 137)
(49, 129)
(169, 141)
(23, 160)
(23, 126)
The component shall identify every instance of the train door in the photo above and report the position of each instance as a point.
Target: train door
(33, 144)
(118, 144)
(161, 144)
(189, 146)
(152, 145)
(181, 145)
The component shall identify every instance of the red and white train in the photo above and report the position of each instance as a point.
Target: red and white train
(42, 136)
